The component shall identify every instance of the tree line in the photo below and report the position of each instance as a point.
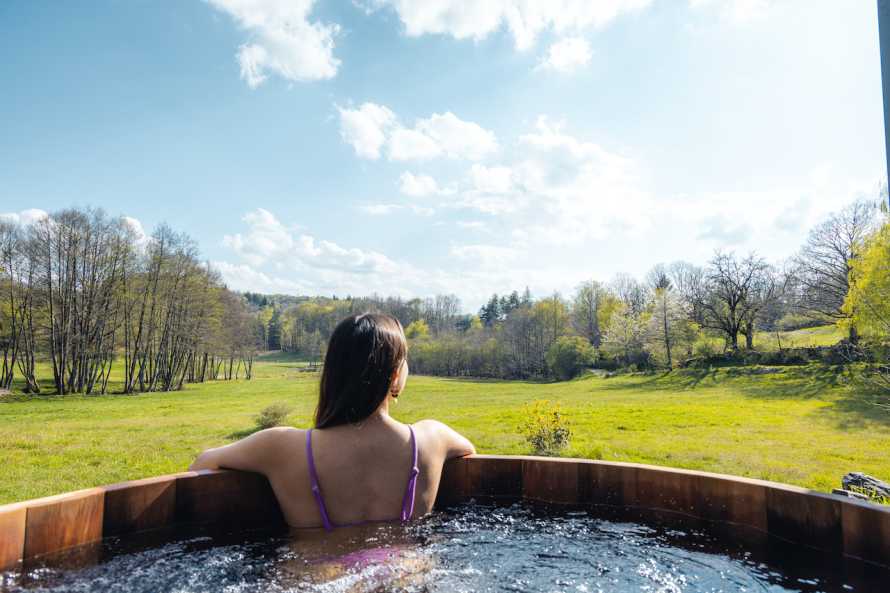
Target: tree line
(89, 296)
(677, 312)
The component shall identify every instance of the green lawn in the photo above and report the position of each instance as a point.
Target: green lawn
(803, 425)
(823, 335)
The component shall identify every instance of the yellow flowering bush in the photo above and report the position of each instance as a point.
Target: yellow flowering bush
(545, 427)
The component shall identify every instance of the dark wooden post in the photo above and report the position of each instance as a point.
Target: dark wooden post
(884, 34)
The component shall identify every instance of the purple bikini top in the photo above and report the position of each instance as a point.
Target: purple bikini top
(407, 499)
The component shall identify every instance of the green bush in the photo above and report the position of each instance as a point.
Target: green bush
(545, 427)
(569, 355)
(272, 415)
(704, 348)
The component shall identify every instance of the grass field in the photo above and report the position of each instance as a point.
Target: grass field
(802, 425)
(824, 335)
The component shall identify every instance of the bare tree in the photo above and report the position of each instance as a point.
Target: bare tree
(9, 306)
(731, 300)
(630, 291)
(79, 270)
(690, 282)
(822, 269)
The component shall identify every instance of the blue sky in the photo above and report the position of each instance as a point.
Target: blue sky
(414, 147)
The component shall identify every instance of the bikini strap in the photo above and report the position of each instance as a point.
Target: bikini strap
(410, 490)
(316, 488)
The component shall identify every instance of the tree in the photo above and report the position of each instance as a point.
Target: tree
(625, 337)
(569, 355)
(490, 313)
(730, 302)
(766, 288)
(867, 305)
(417, 330)
(690, 283)
(667, 328)
(822, 270)
(585, 311)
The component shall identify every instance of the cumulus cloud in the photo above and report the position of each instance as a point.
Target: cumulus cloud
(366, 128)
(283, 40)
(274, 257)
(418, 186)
(140, 236)
(412, 145)
(370, 129)
(267, 239)
(524, 19)
(559, 188)
(457, 138)
(567, 55)
(491, 180)
(245, 278)
(24, 217)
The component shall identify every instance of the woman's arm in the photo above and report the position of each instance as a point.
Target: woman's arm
(254, 453)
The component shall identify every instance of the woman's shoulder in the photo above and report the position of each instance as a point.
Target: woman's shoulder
(445, 438)
(431, 428)
(279, 441)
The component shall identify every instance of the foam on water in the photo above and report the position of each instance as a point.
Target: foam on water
(471, 548)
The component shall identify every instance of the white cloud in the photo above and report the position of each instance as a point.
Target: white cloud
(485, 256)
(412, 145)
(366, 128)
(371, 128)
(385, 209)
(245, 278)
(567, 55)
(559, 189)
(141, 237)
(458, 138)
(267, 239)
(283, 40)
(524, 19)
(418, 186)
(275, 258)
(737, 11)
(24, 217)
(491, 180)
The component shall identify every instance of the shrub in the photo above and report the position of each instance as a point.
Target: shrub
(545, 427)
(569, 355)
(417, 330)
(272, 415)
(704, 348)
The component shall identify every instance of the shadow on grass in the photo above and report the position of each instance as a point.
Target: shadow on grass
(281, 356)
(855, 403)
(495, 380)
(240, 434)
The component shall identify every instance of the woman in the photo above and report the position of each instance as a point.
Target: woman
(358, 465)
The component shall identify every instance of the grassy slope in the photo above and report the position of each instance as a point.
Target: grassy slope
(826, 335)
(803, 425)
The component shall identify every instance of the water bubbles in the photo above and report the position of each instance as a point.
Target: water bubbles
(471, 548)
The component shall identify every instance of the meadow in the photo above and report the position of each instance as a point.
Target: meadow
(805, 425)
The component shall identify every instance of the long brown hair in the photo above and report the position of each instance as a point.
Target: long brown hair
(363, 354)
